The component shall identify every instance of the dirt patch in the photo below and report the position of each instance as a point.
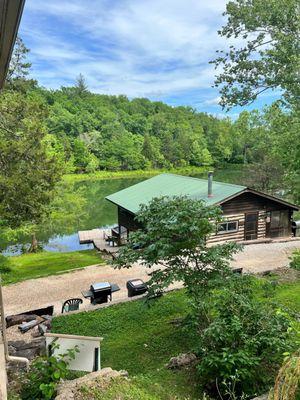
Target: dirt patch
(78, 388)
(284, 275)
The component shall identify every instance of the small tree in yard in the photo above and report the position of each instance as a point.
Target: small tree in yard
(173, 240)
(242, 346)
(240, 340)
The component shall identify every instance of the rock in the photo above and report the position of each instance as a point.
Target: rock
(30, 350)
(183, 360)
(35, 332)
(43, 328)
(68, 390)
(262, 397)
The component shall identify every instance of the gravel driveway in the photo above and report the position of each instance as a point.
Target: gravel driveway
(35, 293)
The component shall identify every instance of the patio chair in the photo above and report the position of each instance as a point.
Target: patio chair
(71, 305)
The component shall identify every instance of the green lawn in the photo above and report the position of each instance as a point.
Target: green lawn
(27, 266)
(142, 339)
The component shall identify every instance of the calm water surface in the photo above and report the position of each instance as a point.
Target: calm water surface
(92, 211)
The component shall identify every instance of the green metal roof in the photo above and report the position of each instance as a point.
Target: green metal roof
(172, 185)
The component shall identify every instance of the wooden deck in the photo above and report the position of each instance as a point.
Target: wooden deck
(97, 237)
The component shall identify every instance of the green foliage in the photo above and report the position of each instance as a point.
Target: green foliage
(44, 375)
(141, 339)
(150, 336)
(105, 175)
(29, 161)
(117, 389)
(116, 134)
(242, 345)
(173, 238)
(4, 265)
(268, 57)
(19, 67)
(295, 260)
(29, 266)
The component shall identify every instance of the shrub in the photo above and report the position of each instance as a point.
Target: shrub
(4, 264)
(295, 260)
(44, 375)
(243, 343)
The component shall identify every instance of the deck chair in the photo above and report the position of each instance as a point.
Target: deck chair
(71, 305)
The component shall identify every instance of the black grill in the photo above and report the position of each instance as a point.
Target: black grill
(100, 292)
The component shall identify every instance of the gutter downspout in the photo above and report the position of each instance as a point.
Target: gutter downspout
(3, 323)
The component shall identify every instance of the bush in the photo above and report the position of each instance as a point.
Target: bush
(295, 260)
(4, 264)
(243, 343)
(44, 375)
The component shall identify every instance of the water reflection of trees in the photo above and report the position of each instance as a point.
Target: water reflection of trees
(82, 205)
(76, 206)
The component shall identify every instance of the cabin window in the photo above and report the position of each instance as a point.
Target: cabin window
(228, 227)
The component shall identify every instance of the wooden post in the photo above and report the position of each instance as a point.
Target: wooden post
(3, 377)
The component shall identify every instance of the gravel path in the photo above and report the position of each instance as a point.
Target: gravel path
(35, 293)
(265, 256)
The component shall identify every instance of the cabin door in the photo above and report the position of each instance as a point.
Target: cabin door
(251, 226)
(279, 225)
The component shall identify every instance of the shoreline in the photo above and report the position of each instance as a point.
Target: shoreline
(102, 175)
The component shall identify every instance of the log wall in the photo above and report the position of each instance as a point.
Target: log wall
(233, 210)
(239, 235)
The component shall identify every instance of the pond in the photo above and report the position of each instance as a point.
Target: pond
(82, 206)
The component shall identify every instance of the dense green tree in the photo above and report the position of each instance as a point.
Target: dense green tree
(31, 161)
(173, 240)
(19, 66)
(152, 152)
(81, 87)
(269, 57)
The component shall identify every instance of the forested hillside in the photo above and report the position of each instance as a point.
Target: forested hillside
(115, 133)
(92, 132)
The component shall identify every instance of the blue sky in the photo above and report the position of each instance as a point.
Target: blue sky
(158, 49)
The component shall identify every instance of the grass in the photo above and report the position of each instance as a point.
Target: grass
(142, 339)
(36, 265)
(141, 388)
(100, 175)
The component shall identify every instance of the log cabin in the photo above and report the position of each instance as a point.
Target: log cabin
(248, 214)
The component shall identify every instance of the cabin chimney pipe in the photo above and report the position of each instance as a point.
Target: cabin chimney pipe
(210, 182)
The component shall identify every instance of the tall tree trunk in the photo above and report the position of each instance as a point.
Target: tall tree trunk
(34, 244)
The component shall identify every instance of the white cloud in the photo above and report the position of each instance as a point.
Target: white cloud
(139, 48)
(212, 102)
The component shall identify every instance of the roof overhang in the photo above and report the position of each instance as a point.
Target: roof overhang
(266, 196)
(10, 16)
